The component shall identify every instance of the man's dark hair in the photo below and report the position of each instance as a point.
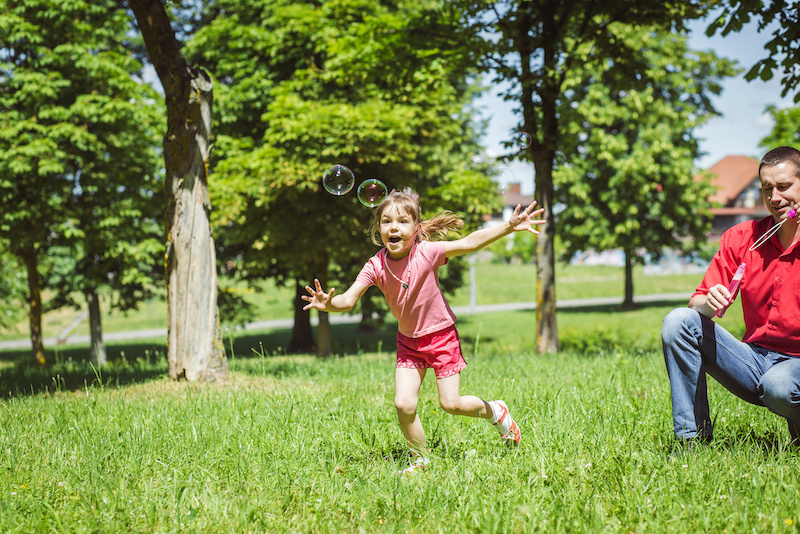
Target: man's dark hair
(779, 155)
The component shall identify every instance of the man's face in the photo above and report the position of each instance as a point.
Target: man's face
(780, 189)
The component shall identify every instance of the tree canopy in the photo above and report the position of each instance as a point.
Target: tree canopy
(77, 165)
(629, 182)
(372, 85)
(535, 50)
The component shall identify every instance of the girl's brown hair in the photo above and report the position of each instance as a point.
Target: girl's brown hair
(434, 229)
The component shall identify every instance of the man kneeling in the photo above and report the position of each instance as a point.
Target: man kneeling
(763, 368)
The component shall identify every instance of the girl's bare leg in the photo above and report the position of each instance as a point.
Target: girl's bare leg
(407, 383)
(453, 402)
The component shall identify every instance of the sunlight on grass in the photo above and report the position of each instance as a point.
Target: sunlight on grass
(302, 444)
(290, 444)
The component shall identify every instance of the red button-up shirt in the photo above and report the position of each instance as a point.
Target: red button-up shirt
(770, 288)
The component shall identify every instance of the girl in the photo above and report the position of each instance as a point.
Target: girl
(407, 272)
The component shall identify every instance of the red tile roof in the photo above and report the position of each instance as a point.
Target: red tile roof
(732, 176)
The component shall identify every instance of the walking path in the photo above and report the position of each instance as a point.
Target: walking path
(344, 318)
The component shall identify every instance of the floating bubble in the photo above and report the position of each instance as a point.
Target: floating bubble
(338, 180)
(523, 140)
(372, 192)
(503, 178)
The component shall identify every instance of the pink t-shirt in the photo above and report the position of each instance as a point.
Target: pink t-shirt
(421, 308)
(770, 288)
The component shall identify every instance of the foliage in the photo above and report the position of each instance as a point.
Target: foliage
(78, 156)
(12, 289)
(630, 181)
(536, 50)
(519, 246)
(305, 85)
(784, 130)
(783, 49)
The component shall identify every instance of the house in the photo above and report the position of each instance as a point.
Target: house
(738, 196)
(512, 197)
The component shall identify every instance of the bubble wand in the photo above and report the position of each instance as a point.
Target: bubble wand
(734, 285)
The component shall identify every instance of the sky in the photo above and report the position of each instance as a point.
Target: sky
(738, 131)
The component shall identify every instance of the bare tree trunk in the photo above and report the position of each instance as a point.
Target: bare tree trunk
(324, 332)
(302, 335)
(38, 354)
(97, 349)
(628, 303)
(546, 322)
(195, 350)
(541, 122)
(324, 335)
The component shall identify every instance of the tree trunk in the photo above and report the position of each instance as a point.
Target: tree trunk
(35, 308)
(195, 350)
(628, 303)
(324, 332)
(540, 120)
(546, 323)
(97, 349)
(302, 335)
(324, 335)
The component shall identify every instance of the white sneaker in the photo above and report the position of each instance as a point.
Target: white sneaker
(418, 465)
(509, 431)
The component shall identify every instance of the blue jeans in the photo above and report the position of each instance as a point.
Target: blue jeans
(694, 346)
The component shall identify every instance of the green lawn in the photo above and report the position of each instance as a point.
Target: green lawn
(299, 444)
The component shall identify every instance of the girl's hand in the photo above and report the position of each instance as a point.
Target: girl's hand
(317, 298)
(525, 220)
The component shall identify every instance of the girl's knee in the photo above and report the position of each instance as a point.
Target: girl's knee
(451, 406)
(405, 405)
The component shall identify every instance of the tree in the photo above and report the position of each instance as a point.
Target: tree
(632, 185)
(305, 85)
(74, 131)
(195, 350)
(783, 47)
(785, 131)
(12, 288)
(534, 48)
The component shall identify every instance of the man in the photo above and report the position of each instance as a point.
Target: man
(763, 368)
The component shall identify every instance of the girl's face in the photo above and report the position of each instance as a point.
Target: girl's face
(398, 231)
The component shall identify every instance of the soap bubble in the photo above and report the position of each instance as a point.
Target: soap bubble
(503, 177)
(372, 192)
(523, 140)
(338, 180)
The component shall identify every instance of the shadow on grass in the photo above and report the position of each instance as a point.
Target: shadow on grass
(347, 339)
(140, 361)
(618, 308)
(132, 362)
(70, 369)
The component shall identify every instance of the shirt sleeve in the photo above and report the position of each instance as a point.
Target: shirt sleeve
(434, 252)
(368, 274)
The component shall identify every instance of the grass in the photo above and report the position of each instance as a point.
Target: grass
(495, 283)
(299, 444)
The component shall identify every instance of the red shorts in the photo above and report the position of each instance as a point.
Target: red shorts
(440, 351)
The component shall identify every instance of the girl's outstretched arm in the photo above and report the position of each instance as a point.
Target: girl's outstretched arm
(519, 221)
(319, 299)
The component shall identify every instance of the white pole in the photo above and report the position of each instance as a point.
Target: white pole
(473, 300)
